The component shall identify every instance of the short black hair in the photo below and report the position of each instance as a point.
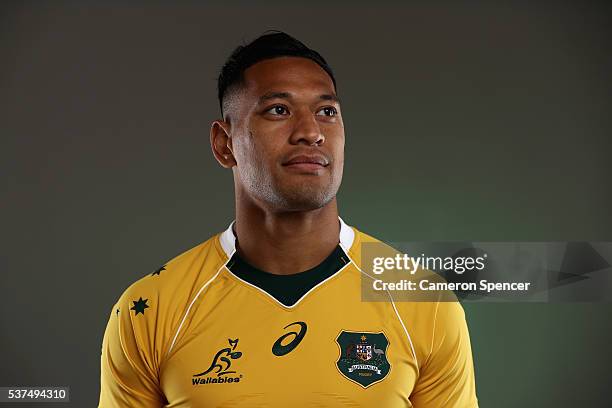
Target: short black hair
(271, 44)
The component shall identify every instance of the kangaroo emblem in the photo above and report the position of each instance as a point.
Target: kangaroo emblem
(221, 362)
(349, 350)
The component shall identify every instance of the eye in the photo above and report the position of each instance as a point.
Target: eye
(277, 110)
(328, 111)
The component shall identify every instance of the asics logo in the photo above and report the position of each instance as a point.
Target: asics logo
(280, 349)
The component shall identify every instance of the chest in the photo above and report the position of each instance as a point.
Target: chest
(249, 352)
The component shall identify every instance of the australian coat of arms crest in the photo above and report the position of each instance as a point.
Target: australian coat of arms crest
(363, 357)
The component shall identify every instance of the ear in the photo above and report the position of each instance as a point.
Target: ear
(221, 143)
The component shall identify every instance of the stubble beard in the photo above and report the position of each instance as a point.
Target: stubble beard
(297, 196)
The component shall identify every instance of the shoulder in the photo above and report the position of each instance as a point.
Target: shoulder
(153, 306)
(424, 315)
(175, 274)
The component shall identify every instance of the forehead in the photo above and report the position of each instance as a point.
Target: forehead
(292, 74)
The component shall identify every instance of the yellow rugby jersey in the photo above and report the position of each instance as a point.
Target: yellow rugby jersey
(205, 330)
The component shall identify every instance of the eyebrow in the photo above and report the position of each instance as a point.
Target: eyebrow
(286, 95)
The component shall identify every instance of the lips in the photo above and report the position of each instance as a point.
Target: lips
(307, 159)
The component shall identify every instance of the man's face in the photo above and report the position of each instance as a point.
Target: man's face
(287, 135)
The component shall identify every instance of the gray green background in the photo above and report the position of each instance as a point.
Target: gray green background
(480, 121)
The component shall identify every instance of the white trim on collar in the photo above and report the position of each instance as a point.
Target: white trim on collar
(228, 240)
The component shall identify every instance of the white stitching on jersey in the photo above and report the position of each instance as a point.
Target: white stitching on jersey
(191, 304)
(406, 331)
(394, 309)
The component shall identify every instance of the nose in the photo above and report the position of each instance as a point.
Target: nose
(307, 130)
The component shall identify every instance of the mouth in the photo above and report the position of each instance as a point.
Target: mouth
(308, 159)
(307, 163)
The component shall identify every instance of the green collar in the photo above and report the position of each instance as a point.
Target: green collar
(288, 289)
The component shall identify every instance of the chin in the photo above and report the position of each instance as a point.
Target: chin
(295, 195)
(305, 201)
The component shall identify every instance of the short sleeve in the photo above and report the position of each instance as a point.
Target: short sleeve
(127, 378)
(447, 376)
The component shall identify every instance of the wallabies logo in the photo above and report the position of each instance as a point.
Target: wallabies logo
(220, 366)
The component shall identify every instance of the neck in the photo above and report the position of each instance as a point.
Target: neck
(286, 242)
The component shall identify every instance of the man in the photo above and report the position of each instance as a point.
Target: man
(269, 313)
